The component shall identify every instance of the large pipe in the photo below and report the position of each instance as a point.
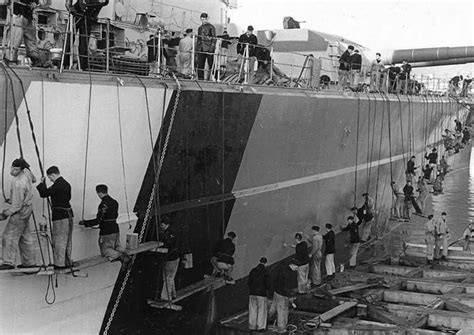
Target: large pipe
(427, 54)
(453, 61)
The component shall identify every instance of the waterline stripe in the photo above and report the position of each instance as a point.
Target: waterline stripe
(313, 178)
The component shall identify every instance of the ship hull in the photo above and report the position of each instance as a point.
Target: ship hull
(262, 162)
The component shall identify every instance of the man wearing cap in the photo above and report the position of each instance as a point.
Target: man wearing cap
(247, 64)
(106, 219)
(315, 256)
(284, 283)
(168, 237)
(205, 46)
(60, 194)
(356, 66)
(185, 52)
(433, 161)
(345, 66)
(17, 232)
(259, 287)
(441, 237)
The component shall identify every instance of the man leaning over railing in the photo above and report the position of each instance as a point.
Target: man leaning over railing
(22, 28)
(250, 40)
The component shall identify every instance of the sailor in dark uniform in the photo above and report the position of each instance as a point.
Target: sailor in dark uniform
(109, 234)
(85, 13)
(222, 259)
(60, 194)
(168, 237)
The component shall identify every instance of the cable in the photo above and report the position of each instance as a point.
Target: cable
(87, 147)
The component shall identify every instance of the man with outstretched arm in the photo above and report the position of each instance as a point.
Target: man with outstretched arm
(109, 234)
(60, 194)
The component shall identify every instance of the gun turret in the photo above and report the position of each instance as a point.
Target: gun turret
(431, 56)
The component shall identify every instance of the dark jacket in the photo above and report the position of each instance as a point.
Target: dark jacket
(23, 7)
(205, 39)
(224, 250)
(285, 281)
(432, 157)
(107, 215)
(411, 167)
(330, 242)
(251, 40)
(427, 172)
(259, 281)
(168, 237)
(60, 193)
(393, 72)
(345, 61)
(302, 254)
(356, 61)
(353, 229)
(408, 192)
(405, 74)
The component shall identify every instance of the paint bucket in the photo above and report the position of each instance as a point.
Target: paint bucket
(132, 241)
(187, 261)
(55, 53)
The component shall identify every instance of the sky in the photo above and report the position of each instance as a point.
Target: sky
(378, 25)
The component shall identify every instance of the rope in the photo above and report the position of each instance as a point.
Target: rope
(122, 156)
(17, 120)
(87, 147)
(357, 150)
(369, 166)
(148, 210)
(5, 129)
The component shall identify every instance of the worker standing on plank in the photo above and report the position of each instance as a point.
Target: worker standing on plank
(259, 287)
(60, 194)
(17, 232)
(430, 238)
(285, 285)
(168, 237)
(442, 237)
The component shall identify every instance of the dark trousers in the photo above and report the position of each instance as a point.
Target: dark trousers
(82, 27)
(201, 63)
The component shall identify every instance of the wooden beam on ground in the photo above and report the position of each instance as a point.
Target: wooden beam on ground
(315, 322)
(436, 287)
(408, 298)
(436, 318)
(147, 246)
(211, 283)
(37, 270)
(456, 306)
(352, 288)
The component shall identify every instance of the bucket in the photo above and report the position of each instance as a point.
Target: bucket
(132, 241)
(187, 261)
(56, 53)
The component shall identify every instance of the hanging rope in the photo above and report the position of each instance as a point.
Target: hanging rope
(87, 147)
(149, 207)
(357, 150)
(5, 130)
(50, 277)
(122, 155)
(401, 129)
(371, 158)
(15, 108)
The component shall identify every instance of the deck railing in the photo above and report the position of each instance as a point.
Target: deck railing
(154, 52)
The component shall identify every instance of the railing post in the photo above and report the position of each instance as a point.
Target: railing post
(271, 63)
(11, 30)
(158, 60)
(247, 63)
(193, 53)
(71, 41)
(107, 46)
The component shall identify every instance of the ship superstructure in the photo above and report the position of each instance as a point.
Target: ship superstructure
(262, 161)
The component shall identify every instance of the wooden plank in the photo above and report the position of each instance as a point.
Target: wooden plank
(351, 288)
(456, 306)
(205, 284)
(37, 270)
(147, 246)
(436, 287)
(315, 322)
(436, 318)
